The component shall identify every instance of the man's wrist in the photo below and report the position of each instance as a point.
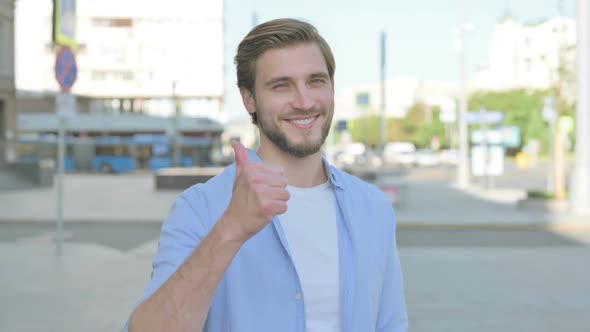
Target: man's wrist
(230, 232)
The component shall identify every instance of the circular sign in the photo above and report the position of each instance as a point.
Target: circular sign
(66, 70)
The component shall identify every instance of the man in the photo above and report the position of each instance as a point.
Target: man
(281, 240)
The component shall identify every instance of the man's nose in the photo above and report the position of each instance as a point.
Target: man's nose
(303, 98)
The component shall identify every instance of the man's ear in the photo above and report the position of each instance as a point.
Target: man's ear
(248, 100)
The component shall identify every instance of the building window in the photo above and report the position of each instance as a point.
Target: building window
(528, 64)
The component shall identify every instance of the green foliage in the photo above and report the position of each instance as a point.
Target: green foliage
(366, 130)
(420, 124)
(538, 194)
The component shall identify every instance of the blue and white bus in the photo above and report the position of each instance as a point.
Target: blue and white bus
(92, 147)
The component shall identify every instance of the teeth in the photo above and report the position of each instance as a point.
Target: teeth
(303, 121)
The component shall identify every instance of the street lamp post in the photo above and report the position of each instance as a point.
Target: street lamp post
(581, 175)
(382, 104)
(463, 166)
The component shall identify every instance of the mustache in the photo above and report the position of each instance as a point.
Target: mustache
(300, 113)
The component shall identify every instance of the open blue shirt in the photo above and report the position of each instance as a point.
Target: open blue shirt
(261, 291)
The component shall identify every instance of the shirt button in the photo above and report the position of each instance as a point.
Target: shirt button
(297, 296)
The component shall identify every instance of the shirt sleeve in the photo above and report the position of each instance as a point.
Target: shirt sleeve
(393, 316)
(181, 233)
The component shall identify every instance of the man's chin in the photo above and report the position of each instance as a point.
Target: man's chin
(303, 150)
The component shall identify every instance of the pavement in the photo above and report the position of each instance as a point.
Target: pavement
(134, 199)
(472, 259)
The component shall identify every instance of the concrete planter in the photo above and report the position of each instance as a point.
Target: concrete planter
(544, 205)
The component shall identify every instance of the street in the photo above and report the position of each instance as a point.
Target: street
(465, 279)
(472, 261)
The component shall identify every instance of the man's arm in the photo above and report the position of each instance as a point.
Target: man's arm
(182, 302)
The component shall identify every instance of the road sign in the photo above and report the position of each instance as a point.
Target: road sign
(488, 117)
(65, 104)
(508, 137)
(487, 161)
(363, 99)
(448, 117)
(66, 70)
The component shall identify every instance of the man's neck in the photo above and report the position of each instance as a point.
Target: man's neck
(305, 172)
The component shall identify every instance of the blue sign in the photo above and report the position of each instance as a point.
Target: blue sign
(488, 117)
(341, 125)
(362, 99)
(66, 70)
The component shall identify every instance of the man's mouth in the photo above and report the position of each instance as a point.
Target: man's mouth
(303, 122)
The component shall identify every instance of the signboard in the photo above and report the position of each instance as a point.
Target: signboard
(448, 112)
(64, 22)
(549, 113)
(363, 99)
(66, 70)
(341, 125)
(508, 137)
(65, 104)
(487, 161)
(488, 117)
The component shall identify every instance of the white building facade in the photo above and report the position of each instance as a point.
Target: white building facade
(527, 55)
(133, 55)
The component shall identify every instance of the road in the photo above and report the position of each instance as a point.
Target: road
(127, 236)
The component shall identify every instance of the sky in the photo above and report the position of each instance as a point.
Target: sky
(420, 35)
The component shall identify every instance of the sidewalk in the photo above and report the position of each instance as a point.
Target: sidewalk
(94, 288)
(133, 199)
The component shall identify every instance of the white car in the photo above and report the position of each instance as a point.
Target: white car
(400, 153)
(427, 158)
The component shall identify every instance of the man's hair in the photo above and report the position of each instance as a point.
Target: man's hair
(271, 35)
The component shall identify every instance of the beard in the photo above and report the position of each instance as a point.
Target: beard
(308, 147)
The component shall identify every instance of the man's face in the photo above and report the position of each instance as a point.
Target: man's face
(294, 98)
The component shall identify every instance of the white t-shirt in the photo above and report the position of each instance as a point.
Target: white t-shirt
(312, 234)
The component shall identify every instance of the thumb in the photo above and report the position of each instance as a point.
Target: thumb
(240, 153)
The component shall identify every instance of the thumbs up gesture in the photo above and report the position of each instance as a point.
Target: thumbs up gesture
(259, 194)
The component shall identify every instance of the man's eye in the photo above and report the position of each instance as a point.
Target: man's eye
(280, 85)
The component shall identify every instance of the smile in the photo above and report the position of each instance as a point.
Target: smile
(303, 123)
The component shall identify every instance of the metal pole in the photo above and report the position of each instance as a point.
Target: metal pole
(60, 177)
(580, 200)
(463, 167)
(484, 143)
(176, 135)
(383, 97)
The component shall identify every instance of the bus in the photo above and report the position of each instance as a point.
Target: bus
(109, 143)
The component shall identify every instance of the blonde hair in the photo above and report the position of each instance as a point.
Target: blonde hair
(276, 34)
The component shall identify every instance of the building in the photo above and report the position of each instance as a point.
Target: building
(7, 89)
(401, 94)
(132, 55)
(527, 55)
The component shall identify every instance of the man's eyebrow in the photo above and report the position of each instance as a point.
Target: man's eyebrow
(320, 74)
(287, 78)
(276, 80)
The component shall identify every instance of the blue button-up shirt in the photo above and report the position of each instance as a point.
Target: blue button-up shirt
(261, 291)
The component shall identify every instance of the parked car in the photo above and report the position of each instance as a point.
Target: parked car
(400, 153)
(427, 158)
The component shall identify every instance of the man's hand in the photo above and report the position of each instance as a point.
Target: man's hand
(259, 194)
